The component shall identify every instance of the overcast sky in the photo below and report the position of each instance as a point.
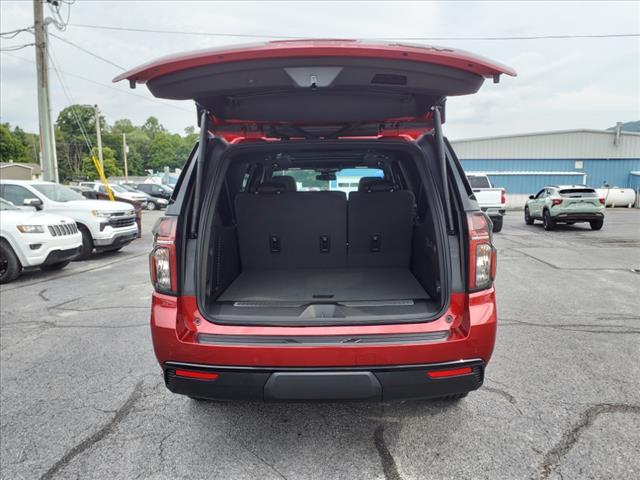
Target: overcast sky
(561, 84)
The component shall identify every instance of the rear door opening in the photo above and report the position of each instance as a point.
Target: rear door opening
(323, 233)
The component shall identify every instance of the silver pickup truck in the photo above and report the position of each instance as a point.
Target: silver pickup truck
(491, 200)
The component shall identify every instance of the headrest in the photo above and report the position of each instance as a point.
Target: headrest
(270, 187)
(287, 181)
(374, 184)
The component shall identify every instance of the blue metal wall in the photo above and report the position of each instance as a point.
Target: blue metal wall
(616, 172)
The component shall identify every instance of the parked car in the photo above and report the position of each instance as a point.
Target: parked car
(35, 240)
(104, 225)
(153, 203)
(156, 190)
(122, 194)
(492, 201)
(257, 294)
(565, 204)
(86, 192)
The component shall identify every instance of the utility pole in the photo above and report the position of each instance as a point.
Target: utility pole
(48, 156)
(125, 149)
(99, 137)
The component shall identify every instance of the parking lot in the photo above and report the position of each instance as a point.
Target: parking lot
(82, 395)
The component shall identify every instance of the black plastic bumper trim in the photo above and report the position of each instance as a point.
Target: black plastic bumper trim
(57, 256)
(324, 384)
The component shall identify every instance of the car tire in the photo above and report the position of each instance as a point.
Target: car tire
(152, 206)
(528, 219)
(547, 221)
(497, 225)
(596, 225)
(55, 266)
(87, 244)
(9, 264)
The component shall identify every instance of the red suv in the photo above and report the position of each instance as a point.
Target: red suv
(323, 242)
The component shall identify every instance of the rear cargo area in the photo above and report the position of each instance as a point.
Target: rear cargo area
(280, 255)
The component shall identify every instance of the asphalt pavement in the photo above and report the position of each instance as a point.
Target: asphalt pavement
(81, 394)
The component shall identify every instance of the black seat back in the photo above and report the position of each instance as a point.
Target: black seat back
(279, 229)
(380, 226)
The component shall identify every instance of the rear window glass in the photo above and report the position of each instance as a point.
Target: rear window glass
(479, 182)
(578, 193)
(346, 180)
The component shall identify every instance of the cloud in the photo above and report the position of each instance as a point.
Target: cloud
(561, 83)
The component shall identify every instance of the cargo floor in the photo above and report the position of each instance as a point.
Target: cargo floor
(324, 285)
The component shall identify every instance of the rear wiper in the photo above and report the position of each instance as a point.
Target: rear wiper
(442, 157)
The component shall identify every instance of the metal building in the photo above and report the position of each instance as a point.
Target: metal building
(525, 163)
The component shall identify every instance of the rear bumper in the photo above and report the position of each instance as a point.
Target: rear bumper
(578, 217)
(398, 366)
(322, 384)
(494, 212)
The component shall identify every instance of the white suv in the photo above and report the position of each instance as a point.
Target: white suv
(104, 225)
(35, 239)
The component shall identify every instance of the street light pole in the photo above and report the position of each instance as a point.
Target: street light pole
(48, 156)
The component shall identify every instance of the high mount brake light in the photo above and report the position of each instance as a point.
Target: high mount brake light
(162, 260)
(482, 254)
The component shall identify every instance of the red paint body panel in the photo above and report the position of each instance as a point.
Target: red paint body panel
(448, 57)
(472, 336)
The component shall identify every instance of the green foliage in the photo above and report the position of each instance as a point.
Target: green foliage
(151, 146)
(17, 145)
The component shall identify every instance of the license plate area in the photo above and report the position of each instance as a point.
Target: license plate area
(322, 386)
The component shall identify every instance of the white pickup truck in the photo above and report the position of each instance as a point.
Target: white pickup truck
(492, 201)
(104, 225)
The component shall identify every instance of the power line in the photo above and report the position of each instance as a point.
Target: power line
(110, 87)
(13, 48)
(400, 37)
(67, 94)
(95, 55)
(14, 33)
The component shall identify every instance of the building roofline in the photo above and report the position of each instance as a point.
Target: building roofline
(548, 132)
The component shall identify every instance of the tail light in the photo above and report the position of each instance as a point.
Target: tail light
(482, 254)
(556, 201)
(162, 260)
(601, 200)
(503, 197)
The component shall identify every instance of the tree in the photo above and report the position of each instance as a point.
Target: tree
(12, 147)
(111, 168)
(73, 124)
(152, 127)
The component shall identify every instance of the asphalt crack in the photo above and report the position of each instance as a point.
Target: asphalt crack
(504, 394)
(389, 466)
(553, 457)
(577, 327)
(87, 443)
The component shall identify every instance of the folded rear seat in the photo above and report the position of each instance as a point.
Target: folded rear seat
(279, 228)
(380, 225)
